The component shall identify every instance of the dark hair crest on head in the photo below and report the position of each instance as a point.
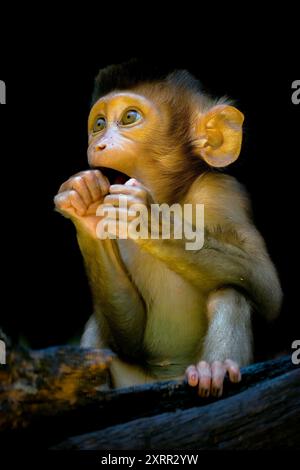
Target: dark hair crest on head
(128, 75)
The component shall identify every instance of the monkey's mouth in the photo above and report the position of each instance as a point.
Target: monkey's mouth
(114, 176)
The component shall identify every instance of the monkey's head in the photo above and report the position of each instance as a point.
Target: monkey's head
(145, 124)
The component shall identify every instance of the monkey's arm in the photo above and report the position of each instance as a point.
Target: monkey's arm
(114, 295)
(225, 260)
(233, 254)
(119, 310)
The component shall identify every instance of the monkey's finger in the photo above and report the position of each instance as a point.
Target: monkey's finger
(92, 209)
(94, 185)
(144, 192)
(218, 371)
(80, 181)
(192, 376)
(103, 182)
(122, 189)
(233, 370)
(77, 203)
(204, 372)
(136, 191)
(133, 182)
(67, 184)
(140, 194)
(62, 201)
(68, 199)
(78, 184)
(115, 199)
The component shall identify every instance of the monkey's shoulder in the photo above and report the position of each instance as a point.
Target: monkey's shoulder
(224, 198)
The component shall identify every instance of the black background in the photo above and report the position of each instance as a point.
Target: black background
(49, 78)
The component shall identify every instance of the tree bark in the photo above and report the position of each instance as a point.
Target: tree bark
(39, 384)
(64, 391)
(266, 416)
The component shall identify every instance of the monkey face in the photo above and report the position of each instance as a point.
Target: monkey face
(132, 132)
(121, 127)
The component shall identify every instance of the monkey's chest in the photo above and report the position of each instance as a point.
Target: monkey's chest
(176, 311)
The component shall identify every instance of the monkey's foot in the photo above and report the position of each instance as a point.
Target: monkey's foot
(209, 377)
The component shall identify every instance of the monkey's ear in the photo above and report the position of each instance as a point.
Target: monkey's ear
(219, 135)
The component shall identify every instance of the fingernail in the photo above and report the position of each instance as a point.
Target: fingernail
(131, 181)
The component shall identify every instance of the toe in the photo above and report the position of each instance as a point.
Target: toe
(204, 372)
(218, 371)
(192, 376)
(233, 370)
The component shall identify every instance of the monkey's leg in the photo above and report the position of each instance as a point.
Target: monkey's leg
(91, 337)
(228, 343)
(122, 373)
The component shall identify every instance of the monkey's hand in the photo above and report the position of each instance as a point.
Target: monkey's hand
(209, 377)
(79, 197)
(125, 203)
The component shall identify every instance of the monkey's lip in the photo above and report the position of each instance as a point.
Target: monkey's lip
(114, 176)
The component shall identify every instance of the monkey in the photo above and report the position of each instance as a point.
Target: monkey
(165, 311)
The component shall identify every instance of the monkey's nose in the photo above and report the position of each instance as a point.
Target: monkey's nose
(100, 147)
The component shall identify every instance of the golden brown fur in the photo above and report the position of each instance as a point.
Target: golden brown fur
(162, 308)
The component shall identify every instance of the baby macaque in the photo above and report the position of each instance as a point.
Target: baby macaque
(167, 311)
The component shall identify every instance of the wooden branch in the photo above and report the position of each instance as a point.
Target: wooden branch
(62, 391)
(37, 384)
(266, 416)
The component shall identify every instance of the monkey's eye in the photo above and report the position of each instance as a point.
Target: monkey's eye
(99, 124)
(130, 117)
